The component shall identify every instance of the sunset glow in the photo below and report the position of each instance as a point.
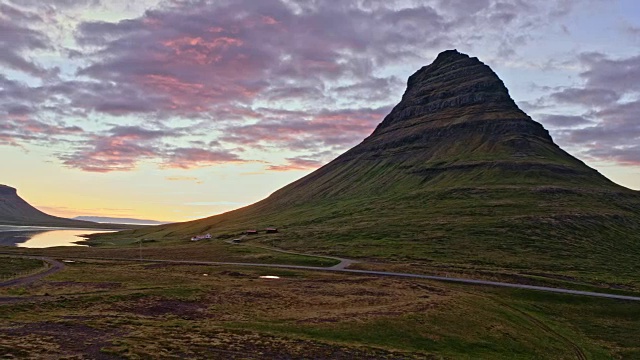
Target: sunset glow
(180, 109)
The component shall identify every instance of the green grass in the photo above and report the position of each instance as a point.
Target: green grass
(159, 310)
(215, 250)
(14, 266)
(590, 232)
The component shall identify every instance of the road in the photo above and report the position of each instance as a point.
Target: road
(343, 264)
(57, 266)
(54, 267)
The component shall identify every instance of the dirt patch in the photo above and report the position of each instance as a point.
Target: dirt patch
(234, 274)
(321, 300)
(55, 339)
(92, 285)
(159, 307)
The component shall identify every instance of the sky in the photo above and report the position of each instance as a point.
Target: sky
(180, 109)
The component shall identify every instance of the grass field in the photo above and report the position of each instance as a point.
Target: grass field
(589, 235)
(201, 251)
(11, 266)
(137, 310)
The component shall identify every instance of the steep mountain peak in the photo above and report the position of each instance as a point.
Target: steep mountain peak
(456, 126)
(454, 86)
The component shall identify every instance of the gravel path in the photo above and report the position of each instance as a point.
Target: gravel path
(57, 266)
(54, 267)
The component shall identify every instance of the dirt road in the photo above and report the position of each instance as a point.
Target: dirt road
(54, 267)
(57, 266)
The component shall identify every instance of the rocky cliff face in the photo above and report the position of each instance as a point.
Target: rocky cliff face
(454, 98)
(455, 121)
(453, 85)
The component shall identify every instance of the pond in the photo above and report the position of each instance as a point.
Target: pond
(39, 237)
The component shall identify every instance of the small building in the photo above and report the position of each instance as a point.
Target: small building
(271, 230)
(251, 232)
(201, 237)
(235, 241)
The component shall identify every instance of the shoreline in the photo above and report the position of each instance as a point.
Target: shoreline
(7, 228)
(33, 236)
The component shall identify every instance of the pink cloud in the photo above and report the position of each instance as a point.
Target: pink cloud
(294, 164)
(109, 154)
(337, 129)
(120, 149)
(187, 158)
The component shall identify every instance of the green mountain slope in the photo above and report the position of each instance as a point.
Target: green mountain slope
(455, 175)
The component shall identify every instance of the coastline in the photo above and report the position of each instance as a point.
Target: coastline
(7, 228)
(42, 236)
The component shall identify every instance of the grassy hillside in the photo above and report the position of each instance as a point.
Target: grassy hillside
(455, 176)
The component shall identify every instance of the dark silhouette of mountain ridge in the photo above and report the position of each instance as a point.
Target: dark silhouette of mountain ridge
(16, 211)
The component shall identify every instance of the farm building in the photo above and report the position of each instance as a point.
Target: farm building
(251, 232)
(201, 237)
(271, 230)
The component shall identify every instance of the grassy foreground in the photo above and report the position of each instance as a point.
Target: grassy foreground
(103, 309)
(201, 251)
(11, 266)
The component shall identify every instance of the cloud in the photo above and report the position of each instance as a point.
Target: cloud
(106, 154)
(296, 164)
(183, 178)
(16, 38)
(187, 158)
(191, 56)
(586, 96)
(371, 90)
(612, 92)
(627, 155)
(288, 77)
(565, 121)
(620, 75)
(118, 149)
(334, 129)
(57, 4)
(214, 203)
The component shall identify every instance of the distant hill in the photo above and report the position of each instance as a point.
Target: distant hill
(15, 211)
(455, 176)
(116, 220)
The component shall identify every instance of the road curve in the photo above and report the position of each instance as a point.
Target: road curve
(386, 273)
(343, 263)
(54, 268)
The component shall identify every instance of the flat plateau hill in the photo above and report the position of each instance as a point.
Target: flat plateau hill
(16, 211)
(455, 176)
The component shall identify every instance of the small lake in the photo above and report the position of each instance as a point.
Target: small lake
(38, 237)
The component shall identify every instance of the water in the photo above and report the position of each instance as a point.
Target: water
(39, 237)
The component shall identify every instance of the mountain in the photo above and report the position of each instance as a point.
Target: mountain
(15, 211)
(455, 176)
(117, 220)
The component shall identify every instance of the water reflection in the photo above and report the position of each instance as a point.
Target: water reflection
(41, 238)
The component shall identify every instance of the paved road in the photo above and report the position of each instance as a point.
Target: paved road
(57, 266)
(54, 267)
